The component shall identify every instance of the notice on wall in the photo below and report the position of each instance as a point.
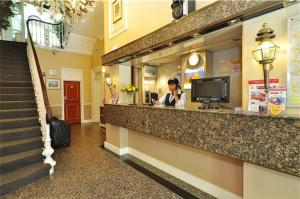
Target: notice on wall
(258, 99)
(293, 86)
(235, 68)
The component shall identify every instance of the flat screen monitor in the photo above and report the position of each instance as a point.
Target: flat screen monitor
(211, 90)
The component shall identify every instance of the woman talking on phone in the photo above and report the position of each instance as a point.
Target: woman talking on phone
(174, 97)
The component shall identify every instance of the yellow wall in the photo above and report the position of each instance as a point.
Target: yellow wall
(144, 16)
(251, 69)
(60, 60)
(98, 51)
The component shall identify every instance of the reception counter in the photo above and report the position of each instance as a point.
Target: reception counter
(258, 139)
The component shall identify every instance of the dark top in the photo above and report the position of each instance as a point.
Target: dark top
(167, 101)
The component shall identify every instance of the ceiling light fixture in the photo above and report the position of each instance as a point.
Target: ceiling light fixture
(70, 11)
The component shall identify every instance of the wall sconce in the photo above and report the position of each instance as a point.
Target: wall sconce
(109, 83)
(103, 69)
(265, 52)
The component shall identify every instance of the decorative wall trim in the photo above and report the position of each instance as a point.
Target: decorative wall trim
(87, 121)
(178, 173)
(216, 13)
(55, 105)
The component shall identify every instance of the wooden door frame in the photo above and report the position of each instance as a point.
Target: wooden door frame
(71, 74)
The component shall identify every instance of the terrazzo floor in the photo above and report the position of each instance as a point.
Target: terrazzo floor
(84, 170)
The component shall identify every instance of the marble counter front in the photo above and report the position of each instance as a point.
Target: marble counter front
(271, 142)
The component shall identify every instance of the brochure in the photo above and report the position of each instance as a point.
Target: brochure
(258, 99)
(277, 101)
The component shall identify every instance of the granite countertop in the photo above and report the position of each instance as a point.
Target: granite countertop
(260, 139)
(289, 113)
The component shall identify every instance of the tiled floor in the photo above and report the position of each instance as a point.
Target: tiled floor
(84, 170)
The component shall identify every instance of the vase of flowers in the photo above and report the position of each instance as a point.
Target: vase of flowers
(130, 91)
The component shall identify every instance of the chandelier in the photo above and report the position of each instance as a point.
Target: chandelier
(69, 10)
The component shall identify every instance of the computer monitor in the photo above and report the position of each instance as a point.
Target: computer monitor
(211, 90)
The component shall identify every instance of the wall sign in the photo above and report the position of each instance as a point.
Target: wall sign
(235, 68)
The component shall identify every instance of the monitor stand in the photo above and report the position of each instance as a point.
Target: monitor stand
(206, 104)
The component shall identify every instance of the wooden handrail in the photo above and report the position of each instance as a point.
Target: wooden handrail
(43, 86)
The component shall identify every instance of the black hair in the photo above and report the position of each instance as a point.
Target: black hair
(173, 81)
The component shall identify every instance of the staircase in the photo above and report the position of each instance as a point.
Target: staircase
(21, 159)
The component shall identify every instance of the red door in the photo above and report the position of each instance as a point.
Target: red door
(72, 102)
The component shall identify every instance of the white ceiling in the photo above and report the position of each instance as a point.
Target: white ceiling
(93, 25)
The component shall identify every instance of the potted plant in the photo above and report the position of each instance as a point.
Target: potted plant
(130, 90)
(6, 13)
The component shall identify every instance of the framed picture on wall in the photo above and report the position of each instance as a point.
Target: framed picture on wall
(52, 83)
(118, 19)
(191, 74)
(293, 76)
(116, 11)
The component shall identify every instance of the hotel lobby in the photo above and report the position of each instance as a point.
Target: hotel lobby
(150, 99)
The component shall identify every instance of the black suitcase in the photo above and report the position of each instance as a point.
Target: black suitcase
(60, 133)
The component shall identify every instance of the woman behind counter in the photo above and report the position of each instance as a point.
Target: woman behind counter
(174, 97)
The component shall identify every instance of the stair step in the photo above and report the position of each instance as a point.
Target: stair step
(18, 113)
(12, 61)
(16, 97)
(21, 177)
(16, 90)
(19, 123)
(8, 105)
(15, 66)
(20, 133)
(13, 43)
(19, 160)
(12, 48)
(15, 72)
(9, 50)
(18, 146)
(6, 58)
(5, 77)
(15, 83)
(14, 52)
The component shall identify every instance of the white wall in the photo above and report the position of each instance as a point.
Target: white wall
(222, 66)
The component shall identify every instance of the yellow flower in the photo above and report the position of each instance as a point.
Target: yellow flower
(133, 88)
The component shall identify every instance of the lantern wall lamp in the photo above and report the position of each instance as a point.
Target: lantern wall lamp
(266, 51)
